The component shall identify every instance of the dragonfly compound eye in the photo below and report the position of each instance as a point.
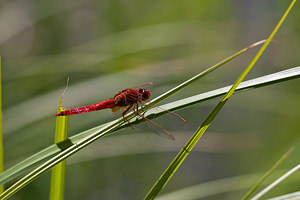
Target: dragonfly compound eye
(146, 94)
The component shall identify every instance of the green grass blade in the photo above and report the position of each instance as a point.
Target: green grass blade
(211, 189)
(60, 157)
(169, 93)
(205, 72)
(159, 185)
(94, 136)
(290, 196)
(268, 173)
(54, 149)
(1, 136)
(57, 186)
(267, 189)
(263, 81)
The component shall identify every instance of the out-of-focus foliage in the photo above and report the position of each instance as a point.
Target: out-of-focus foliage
(105, 46)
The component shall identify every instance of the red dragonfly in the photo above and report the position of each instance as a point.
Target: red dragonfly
(129, 98)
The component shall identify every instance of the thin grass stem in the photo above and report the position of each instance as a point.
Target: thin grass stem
(1, 133)
(267, 189)
(166, 176)
(268, 173)
(57, 186)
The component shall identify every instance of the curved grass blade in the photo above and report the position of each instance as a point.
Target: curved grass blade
(290, 196)
(60, 157)
(54, 149)
(267, 189)
(268, 173)
(191, 80)
(22, 118)
(57, 186)
(166, 176)
(101, 132)
(262, 81)
(1, 137)
(208, 190)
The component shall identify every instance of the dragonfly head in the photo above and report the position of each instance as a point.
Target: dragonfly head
(145, 93)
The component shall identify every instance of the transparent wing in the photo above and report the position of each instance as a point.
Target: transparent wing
(148, 86)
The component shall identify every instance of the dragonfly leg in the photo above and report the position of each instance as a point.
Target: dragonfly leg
(125, 111)
(135, 109)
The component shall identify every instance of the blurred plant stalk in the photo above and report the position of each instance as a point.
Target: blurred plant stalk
(1, 138)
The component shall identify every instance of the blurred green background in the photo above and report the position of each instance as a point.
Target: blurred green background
(106, 46)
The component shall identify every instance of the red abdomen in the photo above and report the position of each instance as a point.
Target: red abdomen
(109, 103)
